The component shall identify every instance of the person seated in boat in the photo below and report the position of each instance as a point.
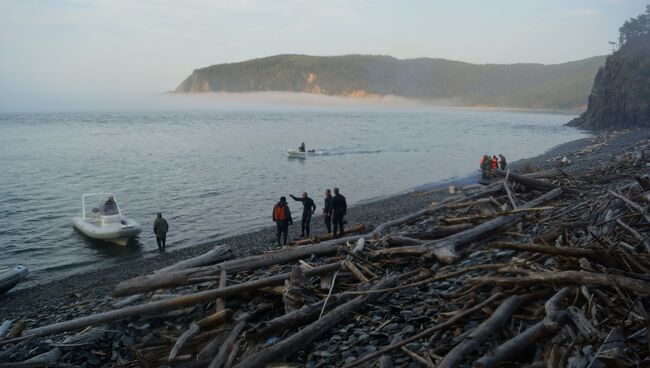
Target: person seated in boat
(109, 207)
(302, 147)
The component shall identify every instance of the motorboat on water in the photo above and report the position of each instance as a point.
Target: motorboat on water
(294, 153)
(105, 221)
(10, 277)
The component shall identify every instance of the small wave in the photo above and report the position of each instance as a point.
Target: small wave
(350, 152)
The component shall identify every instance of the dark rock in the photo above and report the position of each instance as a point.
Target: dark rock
(620, 96)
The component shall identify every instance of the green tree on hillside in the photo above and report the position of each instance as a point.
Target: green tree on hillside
(634, 28)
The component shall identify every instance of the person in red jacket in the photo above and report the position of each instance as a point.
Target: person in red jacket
(495, 162)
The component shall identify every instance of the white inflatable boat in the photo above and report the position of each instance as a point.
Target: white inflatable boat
(11, 277)
(105, 222)
(294, 153)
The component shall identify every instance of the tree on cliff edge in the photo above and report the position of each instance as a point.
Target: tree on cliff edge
(620, 96)
(635, 28)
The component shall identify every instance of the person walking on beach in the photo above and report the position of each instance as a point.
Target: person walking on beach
(308, 209)
(327, 210)
(502, 162)
(282, 218)
(160, 228)
(339, 210)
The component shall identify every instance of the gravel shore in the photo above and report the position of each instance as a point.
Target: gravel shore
(54, 297)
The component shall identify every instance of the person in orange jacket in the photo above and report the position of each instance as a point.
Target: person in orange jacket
(495, 162)
(484, 166)
(282, 218)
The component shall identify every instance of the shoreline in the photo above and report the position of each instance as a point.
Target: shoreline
(52, 294)
(173, 253)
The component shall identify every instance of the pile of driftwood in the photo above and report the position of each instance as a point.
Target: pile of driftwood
(548, 269)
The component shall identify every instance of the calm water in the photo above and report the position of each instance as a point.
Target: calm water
(215, 174)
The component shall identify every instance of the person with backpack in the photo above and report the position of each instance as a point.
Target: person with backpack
(308, 209)
(339, 210)
(282, 218)
(160, 228)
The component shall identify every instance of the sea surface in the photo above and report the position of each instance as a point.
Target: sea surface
(218, 173)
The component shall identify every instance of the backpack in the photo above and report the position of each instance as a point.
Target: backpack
(279, 213)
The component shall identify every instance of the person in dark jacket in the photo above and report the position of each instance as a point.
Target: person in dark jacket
(339, 210)
(160, 228)
(327, 210)
(308, 209)
(282, 218)
(502, 162)
(110, 207)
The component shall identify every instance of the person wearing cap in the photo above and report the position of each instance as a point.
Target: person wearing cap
(282, 218)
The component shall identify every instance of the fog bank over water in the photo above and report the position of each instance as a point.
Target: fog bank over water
(226, 101)
(221, 101)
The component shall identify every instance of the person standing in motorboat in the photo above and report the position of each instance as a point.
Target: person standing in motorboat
(302, 147)
(160, 228)
(327, 210)
(308, 209)
(339, 210)
(282, 218)
(110, 207)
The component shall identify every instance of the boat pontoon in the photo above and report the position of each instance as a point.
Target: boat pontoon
(11, 277)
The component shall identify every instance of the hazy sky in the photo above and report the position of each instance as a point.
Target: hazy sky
(69, 54)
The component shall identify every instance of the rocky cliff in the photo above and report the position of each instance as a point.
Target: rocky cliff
(620, 97)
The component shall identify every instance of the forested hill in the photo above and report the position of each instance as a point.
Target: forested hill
(558, 86)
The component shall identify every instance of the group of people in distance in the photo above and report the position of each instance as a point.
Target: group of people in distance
(334, 212)
(488, 164)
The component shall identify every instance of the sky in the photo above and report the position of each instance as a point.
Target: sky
(79, 54)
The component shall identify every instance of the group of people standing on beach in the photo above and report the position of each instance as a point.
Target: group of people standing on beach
(489, 164)
(334, 212)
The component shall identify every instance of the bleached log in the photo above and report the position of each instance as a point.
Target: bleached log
(445, 249)
(447, 324)
(217, 254)
(171, 304)
(531, 182)
(571, 278)
(488, 327)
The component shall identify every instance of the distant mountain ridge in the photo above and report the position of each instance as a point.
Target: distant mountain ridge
(557, 86)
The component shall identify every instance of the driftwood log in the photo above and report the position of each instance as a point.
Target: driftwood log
(308, 334)
(172, 303)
